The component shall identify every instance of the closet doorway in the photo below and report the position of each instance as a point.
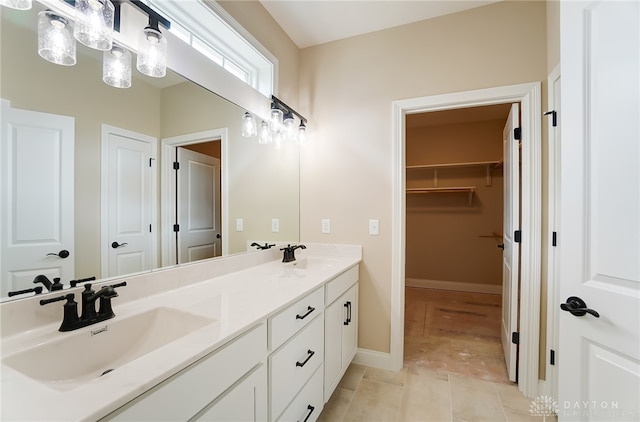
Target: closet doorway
(462, 195)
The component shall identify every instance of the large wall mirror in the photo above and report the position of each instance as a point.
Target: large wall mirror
(259, 184)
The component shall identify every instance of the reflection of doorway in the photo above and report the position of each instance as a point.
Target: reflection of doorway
(198, 202)
(215, 138)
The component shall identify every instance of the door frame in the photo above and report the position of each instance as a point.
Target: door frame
(104, 192)
(529, 96)
(168, 183)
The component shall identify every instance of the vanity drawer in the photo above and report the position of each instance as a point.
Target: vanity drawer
(292, 365)
(288, 322)
(340, 284)
(186, 393)
(308, 403)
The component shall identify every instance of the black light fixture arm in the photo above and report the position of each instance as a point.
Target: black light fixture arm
(285, 108)
(155, 18)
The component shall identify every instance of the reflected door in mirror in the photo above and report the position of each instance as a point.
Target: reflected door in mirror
(37, 197)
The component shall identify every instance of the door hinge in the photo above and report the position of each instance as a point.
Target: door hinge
(552, 357)
(517, 236)
(554, 117)
(176, 165)
(517, 133)
(176, 228)
(515, 338)
(554, 239)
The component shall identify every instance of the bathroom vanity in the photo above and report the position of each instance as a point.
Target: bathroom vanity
(243, 337)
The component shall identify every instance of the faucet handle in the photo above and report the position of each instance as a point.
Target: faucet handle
(68, 297)
(74, 283)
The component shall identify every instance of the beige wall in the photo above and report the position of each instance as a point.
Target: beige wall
(347, 88)
(443, 232)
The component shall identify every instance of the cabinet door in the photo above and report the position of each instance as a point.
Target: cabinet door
(334, 317)
(246, 401)
(350, 326)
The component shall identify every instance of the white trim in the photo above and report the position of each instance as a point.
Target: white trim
(529, 96)
(168, 183)
(104, 186)
(492, 289)
(374, 359)
(553, 199)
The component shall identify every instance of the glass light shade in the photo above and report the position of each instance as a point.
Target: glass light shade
(16, 4)
(278, 139)
(55, 39)
(302, 134)
(264, 134)
(249, 127)
(116, 67)
(275, 120)
(152, 53)
(94, 23)
(289, 128)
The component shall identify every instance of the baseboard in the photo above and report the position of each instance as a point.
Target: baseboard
(453, 285)
(374, 359)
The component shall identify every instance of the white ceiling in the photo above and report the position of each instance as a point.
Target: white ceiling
(313, 22)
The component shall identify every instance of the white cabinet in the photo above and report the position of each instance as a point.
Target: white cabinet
(299, 357)
(196, 389)
(341, 328)
(308, 404)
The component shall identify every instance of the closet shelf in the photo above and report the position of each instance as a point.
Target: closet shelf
(453, 189)
(490, 165)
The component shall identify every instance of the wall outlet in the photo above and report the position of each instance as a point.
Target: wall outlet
(326, 226)
(374, 227)
(275, 225)
(239, 224)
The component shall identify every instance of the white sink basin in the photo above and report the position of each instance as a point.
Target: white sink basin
(77, 357)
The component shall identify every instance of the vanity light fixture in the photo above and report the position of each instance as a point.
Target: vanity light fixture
(55, 38)
(94, 23)
(289, 127)
(249, 127)
(16, 4)
(289, 122)
(264, 134)
(116, 67)
(275, 119)
(302, 134)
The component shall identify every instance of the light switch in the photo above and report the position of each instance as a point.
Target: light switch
(374, 227)
(239, 224)
(326, 226)
(275, 225)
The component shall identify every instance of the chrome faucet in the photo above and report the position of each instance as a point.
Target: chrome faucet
(289, 252)
(71, 321)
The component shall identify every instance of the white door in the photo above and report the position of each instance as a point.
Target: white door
(599, 230)
(129, 195)
(510, 255)
(36, 208)
(198, 200)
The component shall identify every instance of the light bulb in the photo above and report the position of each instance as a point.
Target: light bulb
(275, 121)
(94, 23)
(249, 125)
(264, 134)
(116, 67)
(152, 53)
(55, 39)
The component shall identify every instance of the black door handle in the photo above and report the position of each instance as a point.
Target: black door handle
(62, 254)
(116, 245)
(501, 245)
(218, 236)
(577, 307)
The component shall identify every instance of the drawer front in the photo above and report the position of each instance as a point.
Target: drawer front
(308, 404)
(292, 366)
(288, 322)
(186, 393)
(340, 284)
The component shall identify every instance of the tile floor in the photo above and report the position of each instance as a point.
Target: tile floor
(454, 368)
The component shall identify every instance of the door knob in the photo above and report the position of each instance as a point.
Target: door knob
(116, 245)
(501, 245)
(62, 254)
(577, 307)
(218, 236)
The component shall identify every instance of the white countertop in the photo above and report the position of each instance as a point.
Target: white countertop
(236, 301)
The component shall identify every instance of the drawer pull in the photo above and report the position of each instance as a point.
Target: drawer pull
(311, 353)
(309, 310)
(348, 306)
(310, 409)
